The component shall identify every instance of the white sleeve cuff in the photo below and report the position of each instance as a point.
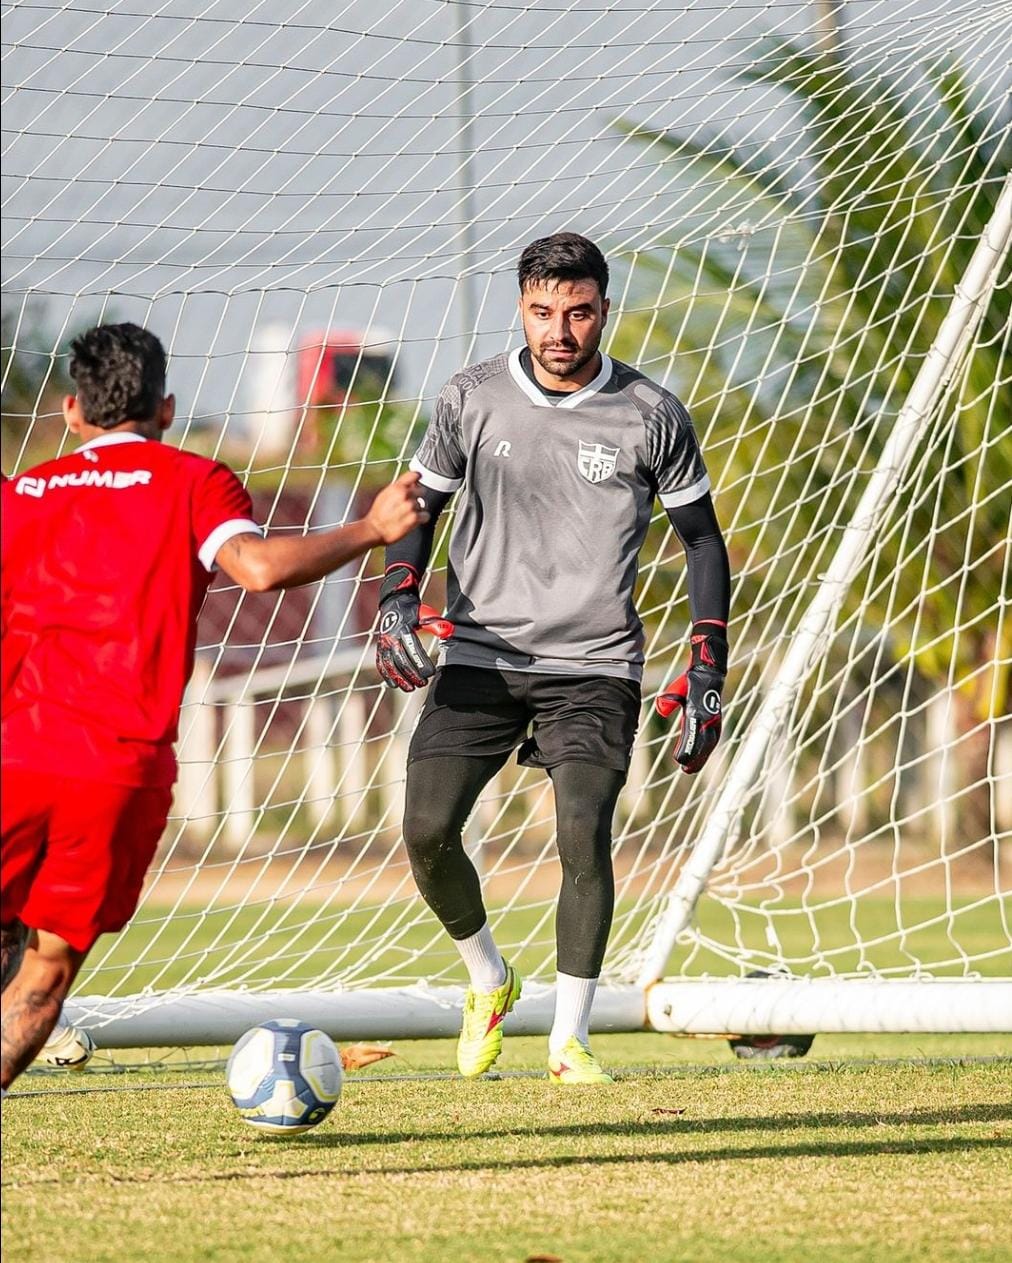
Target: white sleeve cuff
(220, 535)
(436, 481)
(686, 495)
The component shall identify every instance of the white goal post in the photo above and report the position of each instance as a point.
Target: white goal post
(810, 229)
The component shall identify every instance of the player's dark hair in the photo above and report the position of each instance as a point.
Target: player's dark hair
(119, 371)
(565, 256)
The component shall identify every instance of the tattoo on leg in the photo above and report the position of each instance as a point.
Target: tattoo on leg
(13, 938)
(27, 1023)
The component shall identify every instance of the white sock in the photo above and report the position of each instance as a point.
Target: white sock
(573, 1000)
(481, 956)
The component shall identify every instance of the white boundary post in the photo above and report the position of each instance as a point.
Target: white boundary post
(318, 757)
(946, 351)
(196, 794)
(239, 763)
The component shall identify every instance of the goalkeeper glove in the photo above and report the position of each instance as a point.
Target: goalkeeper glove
(697, 694)
(401, 659)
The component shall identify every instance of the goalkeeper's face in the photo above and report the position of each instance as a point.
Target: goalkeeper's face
(563, 322)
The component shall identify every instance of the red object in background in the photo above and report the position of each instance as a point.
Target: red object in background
(334, 364)
(329, 361)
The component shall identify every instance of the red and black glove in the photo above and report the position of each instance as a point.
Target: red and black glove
(697, 694)
(401, 659)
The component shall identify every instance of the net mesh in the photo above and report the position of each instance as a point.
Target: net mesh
(319, 211)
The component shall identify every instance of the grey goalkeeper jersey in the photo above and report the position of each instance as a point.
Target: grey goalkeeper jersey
(555, 499)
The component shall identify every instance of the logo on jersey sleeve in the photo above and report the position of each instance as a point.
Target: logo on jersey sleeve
(597, 462)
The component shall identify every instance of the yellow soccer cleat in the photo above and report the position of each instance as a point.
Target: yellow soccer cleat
(574, 1063)
(480, 1040)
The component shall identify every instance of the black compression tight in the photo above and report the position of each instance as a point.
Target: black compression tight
(585, 798)
(440, 795)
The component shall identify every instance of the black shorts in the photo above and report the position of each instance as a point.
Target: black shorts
(572, 718)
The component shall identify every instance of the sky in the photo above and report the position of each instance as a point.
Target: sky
(238, 175)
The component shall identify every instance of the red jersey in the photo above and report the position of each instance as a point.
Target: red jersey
(107, 556)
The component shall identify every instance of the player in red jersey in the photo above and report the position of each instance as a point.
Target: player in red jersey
(107, 556)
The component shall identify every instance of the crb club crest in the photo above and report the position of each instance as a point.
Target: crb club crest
(596, 462)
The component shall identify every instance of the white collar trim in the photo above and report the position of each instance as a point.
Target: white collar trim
(570, 401)
(110, 440)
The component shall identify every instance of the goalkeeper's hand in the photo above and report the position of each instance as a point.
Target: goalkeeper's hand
(697, 694)
(401, 659)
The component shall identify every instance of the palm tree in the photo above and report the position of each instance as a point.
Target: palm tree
(796, 337)
(800, 380)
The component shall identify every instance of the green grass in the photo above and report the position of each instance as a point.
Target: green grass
(698, 1159)
(297, 944)
(892, 1148)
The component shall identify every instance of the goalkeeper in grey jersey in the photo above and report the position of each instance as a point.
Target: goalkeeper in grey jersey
(556, 454)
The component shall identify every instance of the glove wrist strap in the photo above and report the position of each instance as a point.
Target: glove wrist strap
(709, 645)
(400, 577)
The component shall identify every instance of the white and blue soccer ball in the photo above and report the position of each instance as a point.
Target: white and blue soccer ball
(67, 1048)
(284, 1076)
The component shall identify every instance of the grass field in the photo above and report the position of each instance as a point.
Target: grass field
(696, 1158)
(298, 945)
(888, 1148)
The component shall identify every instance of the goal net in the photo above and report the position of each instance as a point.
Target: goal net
(319, 209)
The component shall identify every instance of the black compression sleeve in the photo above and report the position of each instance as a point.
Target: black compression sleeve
(415, 548)
(697, 527)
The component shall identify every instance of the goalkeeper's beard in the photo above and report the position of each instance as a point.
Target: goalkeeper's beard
(564, 367)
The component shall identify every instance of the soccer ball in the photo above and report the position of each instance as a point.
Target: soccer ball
(67, 1048)
(284, 1076)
